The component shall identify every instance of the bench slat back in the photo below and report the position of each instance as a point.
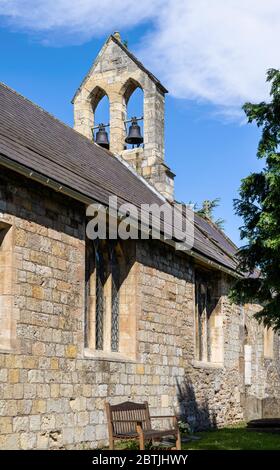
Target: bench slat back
(128, 412)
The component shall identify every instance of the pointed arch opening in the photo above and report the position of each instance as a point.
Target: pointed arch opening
(129, 88)
(133, 97)
(100, 106)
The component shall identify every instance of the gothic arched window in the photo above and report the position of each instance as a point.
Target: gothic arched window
(7, 320)
(208, 318)
(268, 338)
(102, 296)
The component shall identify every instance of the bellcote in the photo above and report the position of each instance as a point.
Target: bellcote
(117, 73)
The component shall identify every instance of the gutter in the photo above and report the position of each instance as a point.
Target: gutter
(65, 190)
(40, 178)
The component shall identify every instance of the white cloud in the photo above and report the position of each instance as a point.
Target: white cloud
(213, 50)
(216, 50)
(85, 18)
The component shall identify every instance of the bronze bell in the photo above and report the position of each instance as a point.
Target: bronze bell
(102, 137)
(134, 136)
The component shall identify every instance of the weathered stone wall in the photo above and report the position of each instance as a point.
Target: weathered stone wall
(216, 395)
(51, 393)
(262, 395)
(211, 394)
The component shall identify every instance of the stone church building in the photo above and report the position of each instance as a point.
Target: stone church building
(82, 322)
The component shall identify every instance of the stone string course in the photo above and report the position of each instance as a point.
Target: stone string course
(51, 395)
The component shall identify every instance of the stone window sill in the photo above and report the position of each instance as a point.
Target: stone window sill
(207, 365)
(106, 356)
(9, 351)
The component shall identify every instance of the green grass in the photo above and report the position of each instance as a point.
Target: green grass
(234, 438)
(231, 438)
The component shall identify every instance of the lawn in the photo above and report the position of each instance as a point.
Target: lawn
(231, 438)
(234, 438)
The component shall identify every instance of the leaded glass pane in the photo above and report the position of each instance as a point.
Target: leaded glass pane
(99, 319)
(115, 303)
(90, 265)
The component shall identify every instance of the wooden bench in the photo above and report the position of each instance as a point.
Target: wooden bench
(129, 420)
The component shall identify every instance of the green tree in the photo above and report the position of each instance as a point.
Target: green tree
(207, 209)
(259, 206)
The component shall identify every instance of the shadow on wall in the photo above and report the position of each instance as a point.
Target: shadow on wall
(197, 415)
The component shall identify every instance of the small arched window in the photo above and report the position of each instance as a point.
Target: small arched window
(268, 339)
(7, 320)
(208, 318)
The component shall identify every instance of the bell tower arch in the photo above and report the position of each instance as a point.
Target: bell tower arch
(117, 73)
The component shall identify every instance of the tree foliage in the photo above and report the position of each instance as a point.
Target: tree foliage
(207, 211)
(259, 206)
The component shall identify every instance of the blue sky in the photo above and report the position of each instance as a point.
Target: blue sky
(208, 144)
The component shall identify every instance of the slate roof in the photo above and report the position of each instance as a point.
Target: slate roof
(33, 138)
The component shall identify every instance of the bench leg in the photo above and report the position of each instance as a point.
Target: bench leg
(141, 437)
(141, 443)
(178, 441)
(111, 443)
